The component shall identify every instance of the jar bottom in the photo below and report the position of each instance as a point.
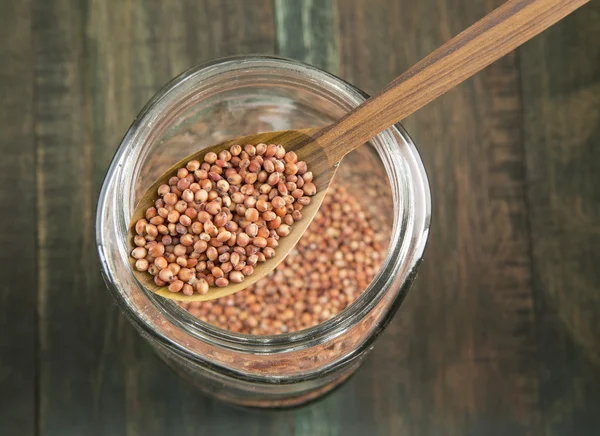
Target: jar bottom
(227, 393)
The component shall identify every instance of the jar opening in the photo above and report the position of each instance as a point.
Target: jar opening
(168, 114)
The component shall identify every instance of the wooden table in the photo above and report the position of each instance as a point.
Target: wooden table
(501, 334)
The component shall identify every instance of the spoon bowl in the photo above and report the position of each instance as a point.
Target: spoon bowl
(303, 143)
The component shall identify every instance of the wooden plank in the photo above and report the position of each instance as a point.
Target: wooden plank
(561, 88)
(308, 31)
(81, 376)
(158, 402)
(459, 358)
(97, 65)
(17, 238)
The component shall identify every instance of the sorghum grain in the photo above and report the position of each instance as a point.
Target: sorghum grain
(233, 202)
(332, 264)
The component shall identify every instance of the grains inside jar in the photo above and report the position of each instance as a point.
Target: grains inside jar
(215, 221)
(332, 264)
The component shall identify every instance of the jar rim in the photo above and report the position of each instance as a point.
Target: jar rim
(286, 341)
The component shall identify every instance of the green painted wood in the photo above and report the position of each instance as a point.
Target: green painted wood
(460, 356)
(308, 31)
(561, 88)
(17, 237)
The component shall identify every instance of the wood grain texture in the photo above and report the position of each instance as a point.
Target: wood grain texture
(476, 47)
(460, 357)
(561, 88)
(17, 239)
(80, 371)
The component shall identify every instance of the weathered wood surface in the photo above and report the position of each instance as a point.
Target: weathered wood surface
(561, 104)
(17, 222)
(499, 336)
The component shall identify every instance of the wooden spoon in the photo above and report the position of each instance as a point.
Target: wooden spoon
(495, 35)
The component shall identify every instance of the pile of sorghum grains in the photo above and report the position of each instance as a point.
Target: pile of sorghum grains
(332, 264)
(214, 221)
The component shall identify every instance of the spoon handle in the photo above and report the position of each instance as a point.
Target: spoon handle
(495, 35)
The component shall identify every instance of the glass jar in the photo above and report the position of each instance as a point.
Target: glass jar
(234, 97)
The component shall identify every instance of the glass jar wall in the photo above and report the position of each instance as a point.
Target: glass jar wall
(235, 97)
